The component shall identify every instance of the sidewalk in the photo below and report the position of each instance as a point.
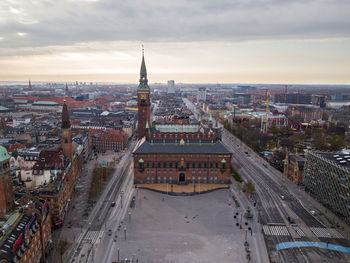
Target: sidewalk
(259, 241)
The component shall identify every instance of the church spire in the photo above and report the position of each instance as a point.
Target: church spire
(67, 91)
(143, 74)
(65, 116)
(143, 64)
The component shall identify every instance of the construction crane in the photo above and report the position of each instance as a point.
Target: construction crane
(265, 122)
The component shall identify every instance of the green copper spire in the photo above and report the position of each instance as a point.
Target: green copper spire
(143, 74)
(147, 126)
(210, 118)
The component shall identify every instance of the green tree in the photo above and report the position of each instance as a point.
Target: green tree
(274, 130)
(336, 142)
(15, 153)
(249, 187)
(272, 144)
(283, 130)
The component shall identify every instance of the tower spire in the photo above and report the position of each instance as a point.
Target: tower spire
(65, 116)
(143, 73)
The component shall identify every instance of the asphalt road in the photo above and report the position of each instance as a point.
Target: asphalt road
(100, 217)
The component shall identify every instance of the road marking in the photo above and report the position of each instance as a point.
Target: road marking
(93, 237)
(276, 231)
(299, 231)
(326, 232)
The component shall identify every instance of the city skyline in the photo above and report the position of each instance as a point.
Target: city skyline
(204, 42)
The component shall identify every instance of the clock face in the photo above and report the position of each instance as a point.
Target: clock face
(143, 96)
(65, 134)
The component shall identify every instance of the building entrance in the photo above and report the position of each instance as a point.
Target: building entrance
(182, 178)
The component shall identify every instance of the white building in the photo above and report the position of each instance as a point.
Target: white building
(202, 94)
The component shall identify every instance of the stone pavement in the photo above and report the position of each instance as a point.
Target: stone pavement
(198, 228)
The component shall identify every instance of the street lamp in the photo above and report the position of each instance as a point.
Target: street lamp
(124, 233)
(121, 199)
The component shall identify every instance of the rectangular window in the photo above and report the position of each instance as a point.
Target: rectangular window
(205, 165)
(216, 165)
(211, 165)
(170, 165)
(187, 165)
(147, 164)
(164, 165)
(193, 165)
(199, 165)
(159, 165)
(176, 165)
(152, 165)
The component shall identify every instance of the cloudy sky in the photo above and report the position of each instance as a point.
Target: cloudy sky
(217, 41)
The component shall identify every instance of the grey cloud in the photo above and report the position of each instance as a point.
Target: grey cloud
(66, 22)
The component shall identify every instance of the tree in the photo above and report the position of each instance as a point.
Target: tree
(274, 130)
(272, 144)
(249, 187)
(336, 142)
(279, 155)
(283, 130)
(62, 247)
(15, 153)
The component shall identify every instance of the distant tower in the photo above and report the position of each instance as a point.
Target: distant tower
(171, 86)
(66, 143)
(30, 86)
(67, 90)
(201, 94)
(143, 100)
(6, 191)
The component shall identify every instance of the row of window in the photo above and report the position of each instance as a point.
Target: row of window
(171, 171)
(188, 165)
(170, 178)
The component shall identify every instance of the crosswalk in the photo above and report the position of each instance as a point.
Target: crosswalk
(299, 231)
(93, 237)
(326, 232)
(276, 231)
(271, 230)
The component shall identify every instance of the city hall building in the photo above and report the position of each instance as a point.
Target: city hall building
(174, 153)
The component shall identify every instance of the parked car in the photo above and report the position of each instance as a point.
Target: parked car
(113, 204)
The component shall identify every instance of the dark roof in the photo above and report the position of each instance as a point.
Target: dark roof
(170, 147)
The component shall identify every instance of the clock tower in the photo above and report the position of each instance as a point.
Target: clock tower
(143, 101)
(66, 143)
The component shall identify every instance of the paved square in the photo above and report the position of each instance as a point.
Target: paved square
(182, 229)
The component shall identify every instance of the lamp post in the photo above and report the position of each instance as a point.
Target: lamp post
(124, 233)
